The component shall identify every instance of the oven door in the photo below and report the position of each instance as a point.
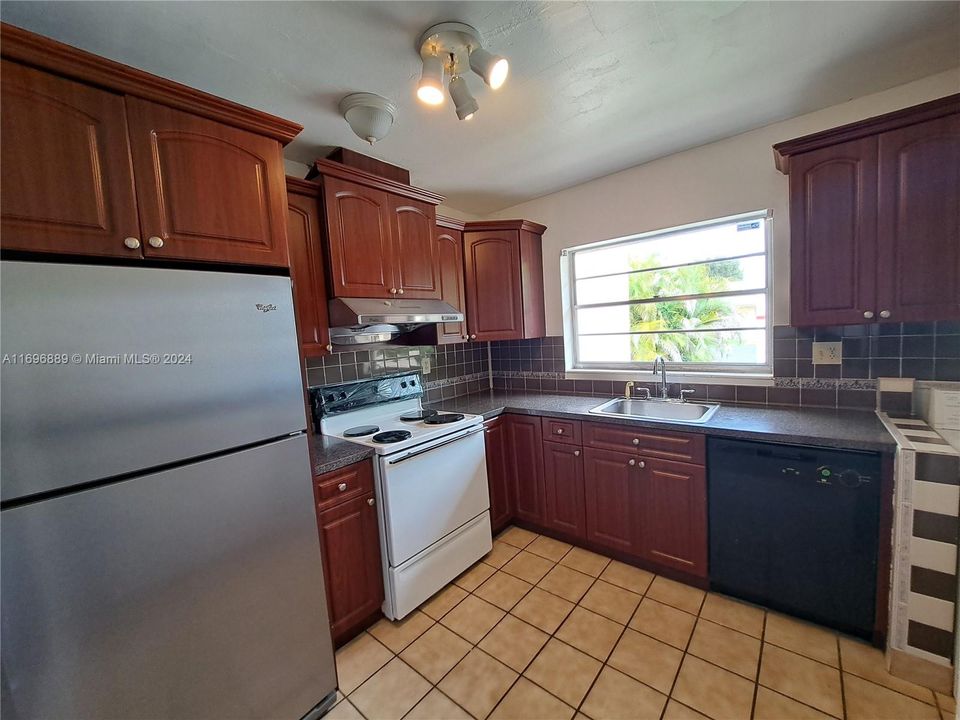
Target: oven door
(428, 492)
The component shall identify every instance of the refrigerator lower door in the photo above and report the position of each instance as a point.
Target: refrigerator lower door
(191, 593)
(110, 371)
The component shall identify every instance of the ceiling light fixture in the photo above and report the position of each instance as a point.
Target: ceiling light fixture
(370, 116)
(448, 48)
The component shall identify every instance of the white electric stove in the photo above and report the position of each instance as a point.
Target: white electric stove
(431, 482)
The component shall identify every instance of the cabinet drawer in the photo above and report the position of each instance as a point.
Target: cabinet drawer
(686, 447)
(561, 431)
(343, 484)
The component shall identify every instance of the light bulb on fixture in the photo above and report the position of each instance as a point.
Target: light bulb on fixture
(465, 103)
(492, 68)
(430, 89)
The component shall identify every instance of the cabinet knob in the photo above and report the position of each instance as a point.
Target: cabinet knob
(636, 441)
(155, 242)
(370, 501)
(341, 487)
(473, 337)
(393, 291)
(400, 291)
(576, 453)
(632, 462)
(132, 243)
(884, 314)
(329, 348)
(868, 314)
(642, 464)
(559, 431)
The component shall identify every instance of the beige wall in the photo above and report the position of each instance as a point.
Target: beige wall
(723, 178)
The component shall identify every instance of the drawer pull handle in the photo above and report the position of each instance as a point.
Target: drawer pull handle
(559, 431)
(636, 441)
(341, 487)
(632, 462)
(576, 453)
(642, 464)
(370, 501)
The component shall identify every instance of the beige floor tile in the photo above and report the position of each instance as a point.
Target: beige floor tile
(869, 701)
(478, 682)
(678, 711)
(548, 548)
(774, 706)
(396, 635)
(663, 622)
(810, 640)
(526, 701)
(647, 660)
(802, 679)
(435, 652)
(543, 609)
(518, 537)
(585, 561)
(869, 662)
(474, 577)
(684, 597)
(611, 601)
(592, 633)
(627, 576)
(472, 618)
(391, 693)
(359, 659)
(727, 648)
(566, 583)
(443, 602)
(615, 695)
(503, 590)
(437, 706)
(514, 642)
(500, 555)
(734, 614)
(564, 671)
(528, 566)
(713, 691)
(344, 710)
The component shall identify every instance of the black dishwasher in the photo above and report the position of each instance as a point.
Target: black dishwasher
(796, 529)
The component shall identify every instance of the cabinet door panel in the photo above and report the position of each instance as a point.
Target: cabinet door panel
(564, 507)
(416, 266)
(494, 295)
(351, 563)
(919, 227)
(611, 499)
(67, 182)
(833, 229)
(524, 441)
(209, 191)
(450, 254)
(498, 476)
(358, 236)
(673, 503)
(307, 273)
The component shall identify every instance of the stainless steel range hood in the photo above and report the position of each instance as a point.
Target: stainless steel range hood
(352, 312)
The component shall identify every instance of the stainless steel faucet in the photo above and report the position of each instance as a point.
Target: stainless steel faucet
(662, 365)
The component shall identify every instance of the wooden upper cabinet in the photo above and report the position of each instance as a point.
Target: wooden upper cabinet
(66, 184)
(449, 243)
(875, 218)
(504, 280)
(206, 190)
(673, 515)
(919, 223)
(305, 246)
(416, 269)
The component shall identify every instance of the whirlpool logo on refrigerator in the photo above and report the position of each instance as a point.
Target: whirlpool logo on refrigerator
(266, 307)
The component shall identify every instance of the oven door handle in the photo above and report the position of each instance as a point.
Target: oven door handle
(434, 447)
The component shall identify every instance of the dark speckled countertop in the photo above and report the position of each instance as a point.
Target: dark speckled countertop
(329, 453)
(847, 429)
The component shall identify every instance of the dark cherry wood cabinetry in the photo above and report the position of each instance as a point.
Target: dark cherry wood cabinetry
(498, 473)
(673, 515)
(524, 445)
(151, 168)
(449, 240)
(350, 546)
(564, 507)
(415, 257)
(611, 499)
(875, 218)
(504, 280)
(305, 246)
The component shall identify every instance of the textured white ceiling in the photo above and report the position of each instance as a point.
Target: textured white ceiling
(595, 87)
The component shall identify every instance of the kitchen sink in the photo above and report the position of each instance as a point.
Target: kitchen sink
(669, 410)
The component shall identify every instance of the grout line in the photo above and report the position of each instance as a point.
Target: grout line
(843, 686)
(756, 677)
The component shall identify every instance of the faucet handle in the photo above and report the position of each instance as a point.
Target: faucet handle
(627, 389)
(645, 391)
(684, 393)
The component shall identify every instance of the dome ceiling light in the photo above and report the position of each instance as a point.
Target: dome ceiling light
(449, 49)
(370, 116)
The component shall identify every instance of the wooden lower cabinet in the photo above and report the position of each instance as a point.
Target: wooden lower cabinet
(673, 515)
(611, 499)
(350, 547)
(524, 444)
(564, 506)
(498, 476)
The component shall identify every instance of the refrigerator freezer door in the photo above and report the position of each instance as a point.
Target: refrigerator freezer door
(190, 593)
(115, 370)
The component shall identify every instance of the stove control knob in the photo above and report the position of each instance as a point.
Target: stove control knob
(342, 396)
(403, 383)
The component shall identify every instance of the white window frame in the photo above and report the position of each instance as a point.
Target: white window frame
(743, 374)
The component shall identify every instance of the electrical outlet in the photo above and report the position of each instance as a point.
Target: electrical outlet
(425, 365)
(827, 353)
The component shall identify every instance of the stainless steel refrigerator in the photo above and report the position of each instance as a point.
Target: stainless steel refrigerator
(160, 555)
